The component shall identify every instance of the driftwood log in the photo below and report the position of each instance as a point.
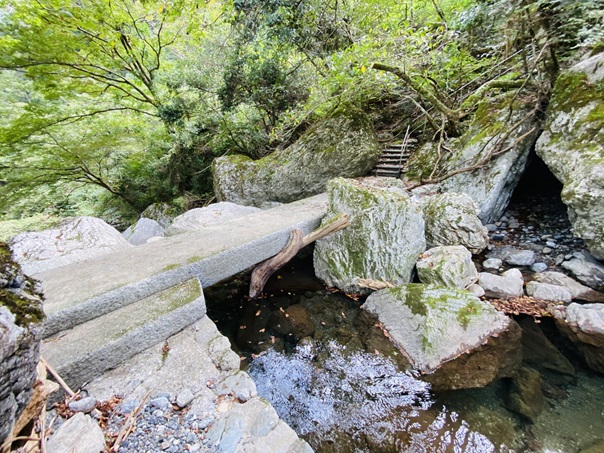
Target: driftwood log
(264, 270)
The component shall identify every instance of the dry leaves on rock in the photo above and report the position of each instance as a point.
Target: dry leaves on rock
(523, 305)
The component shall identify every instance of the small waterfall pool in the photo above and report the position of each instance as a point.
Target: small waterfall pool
(338, 381)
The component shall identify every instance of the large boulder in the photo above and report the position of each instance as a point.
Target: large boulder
(450, 266)
(452, 219)
(162, 213)
(21, 318)
(75, 241)
(584, 326)
(490, 132)
(343, 144)
(571, 146)
(450, 336)
(383, 241)
(143, 230)
(197, 218)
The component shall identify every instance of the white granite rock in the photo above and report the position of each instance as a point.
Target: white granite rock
(509, 284)
(450, 266)
(143, 230)
(79, 434)
(383, 241)
(514, 256)
(584, 326)
(76, 241)
(545, 291)
(587, 269)
(215, 213)
(452, 219)
(576, 289)
(433, 326)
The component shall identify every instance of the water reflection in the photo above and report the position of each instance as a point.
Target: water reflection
(354, 401)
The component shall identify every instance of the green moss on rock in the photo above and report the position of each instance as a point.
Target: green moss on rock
(343, 144)
(23, 301)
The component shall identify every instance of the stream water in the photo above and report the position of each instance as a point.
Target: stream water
(337, 380)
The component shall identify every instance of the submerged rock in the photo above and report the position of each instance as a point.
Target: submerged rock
(452, 219)
(450, 266)
(449, 335)
(343, 144)
(76, 241)
(526, 395)
(197, 218)
(294, 321)
(383, 241)
(143, 230)
(584, 326)
(491, 185)
(541, 354)
(571, 146)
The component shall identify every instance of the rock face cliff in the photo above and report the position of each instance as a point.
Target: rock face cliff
(343, 144)
(497, 142)
(572, 146)
(21, 320)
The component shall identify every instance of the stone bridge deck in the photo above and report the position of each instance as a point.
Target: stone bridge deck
(107, 309)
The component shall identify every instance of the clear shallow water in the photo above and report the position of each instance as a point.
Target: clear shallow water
(341, 400)
(340, 390)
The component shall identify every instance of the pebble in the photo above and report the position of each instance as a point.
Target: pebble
(546, 250)
(551, 244)
(184, 398)
(539, 267)
(83, 405)
(498, 237)
(492, 263)
(128, 405)
(161, 403)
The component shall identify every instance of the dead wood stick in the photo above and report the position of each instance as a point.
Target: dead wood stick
(338, 223)
(128, 425)
(58, 378)
(264, 270)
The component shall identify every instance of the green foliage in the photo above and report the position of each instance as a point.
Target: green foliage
(136, 98)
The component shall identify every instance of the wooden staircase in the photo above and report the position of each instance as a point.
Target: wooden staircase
(394, 159)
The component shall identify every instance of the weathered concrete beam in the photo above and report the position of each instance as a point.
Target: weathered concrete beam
(83, 291)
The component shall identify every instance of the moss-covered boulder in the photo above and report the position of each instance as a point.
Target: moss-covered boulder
(452, 219)
(451, 337)
(383, 241)
(21, 318)
(450, 266)
(572, 146)
(490, 132)
(344, 144)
